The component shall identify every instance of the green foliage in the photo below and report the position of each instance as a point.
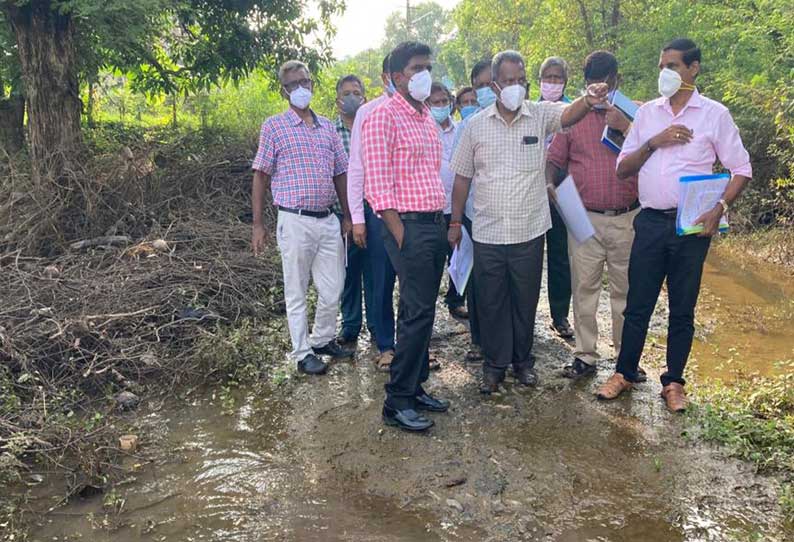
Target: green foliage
(753, 416)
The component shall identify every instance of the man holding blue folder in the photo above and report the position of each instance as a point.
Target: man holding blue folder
(680, 134)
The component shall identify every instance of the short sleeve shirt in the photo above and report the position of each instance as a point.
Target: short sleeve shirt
(507, 166)
(301, 160)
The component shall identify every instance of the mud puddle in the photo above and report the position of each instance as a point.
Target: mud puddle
(746, 320)
(310, 460)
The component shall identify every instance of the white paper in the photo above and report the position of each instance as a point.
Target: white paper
(572, 211)
(462, 262)
(696, 196)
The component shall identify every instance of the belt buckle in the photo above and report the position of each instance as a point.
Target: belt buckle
(611, 212)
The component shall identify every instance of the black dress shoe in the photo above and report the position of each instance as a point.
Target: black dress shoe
(312, 365)
(491, 381)
(334, 350)
(579, 369)
(431, 404)
(563, 329)
(642, 376)
(526, 376)
(409, 420)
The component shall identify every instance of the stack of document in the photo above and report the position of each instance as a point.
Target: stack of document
(613, 138)
(698, 194)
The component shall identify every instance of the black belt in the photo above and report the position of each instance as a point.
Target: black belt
(432, 216)
(669, 213)
(616, 212)
(304, 212)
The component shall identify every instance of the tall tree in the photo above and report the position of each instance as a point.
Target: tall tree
(166, 46)
(12, 100)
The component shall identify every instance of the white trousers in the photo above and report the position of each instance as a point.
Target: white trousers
(311, 247)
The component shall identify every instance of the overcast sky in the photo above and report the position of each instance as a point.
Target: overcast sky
(361, 26)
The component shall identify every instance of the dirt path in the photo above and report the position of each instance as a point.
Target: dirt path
(311, 461)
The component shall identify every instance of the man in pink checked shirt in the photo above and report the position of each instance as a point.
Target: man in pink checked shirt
(682, 133)
(402, 160)
(367, 232)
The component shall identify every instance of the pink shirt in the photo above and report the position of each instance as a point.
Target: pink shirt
(715, 137)
(355, 167)
(402, 158)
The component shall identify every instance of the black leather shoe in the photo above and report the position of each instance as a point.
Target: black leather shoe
(578, 369)
(409, 420)
(431, 404)
(526, 376)
(334, 350)
(312, 365)
(642, 376)
(490, 381)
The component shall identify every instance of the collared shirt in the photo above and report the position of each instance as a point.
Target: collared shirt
(344, 135)
(448, 137)
(506, 164)
(592, 165)
(469, 209)
(355, 170)
(302, 161)
(715, 136)
(402, 159)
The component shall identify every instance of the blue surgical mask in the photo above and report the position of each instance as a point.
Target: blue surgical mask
(468, 110)
(391, 89)
(485, 97)
(440, 114)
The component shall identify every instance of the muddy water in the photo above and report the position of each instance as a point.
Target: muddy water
(745, 319)
(310, 461)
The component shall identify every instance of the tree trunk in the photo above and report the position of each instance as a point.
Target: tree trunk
(46, 44)
(12, 127)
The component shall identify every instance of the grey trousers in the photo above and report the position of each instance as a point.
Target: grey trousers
(508, 286)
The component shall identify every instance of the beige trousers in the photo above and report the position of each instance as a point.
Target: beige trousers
(611, 245)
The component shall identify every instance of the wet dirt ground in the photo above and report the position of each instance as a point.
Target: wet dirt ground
(310, 460)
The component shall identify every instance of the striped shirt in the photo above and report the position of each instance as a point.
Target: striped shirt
(592, 165)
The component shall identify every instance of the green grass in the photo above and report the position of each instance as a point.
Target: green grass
(754, 418)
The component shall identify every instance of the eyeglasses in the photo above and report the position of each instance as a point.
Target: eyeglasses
(305, 83)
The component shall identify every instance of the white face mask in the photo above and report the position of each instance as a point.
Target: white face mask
(300, 97)
(419, 86)
(513, 96)
(670, 82)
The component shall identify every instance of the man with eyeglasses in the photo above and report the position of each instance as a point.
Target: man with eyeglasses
(302, 161)
(502, 151)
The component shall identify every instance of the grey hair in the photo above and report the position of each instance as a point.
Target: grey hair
(505, 56)
(554, 61)
(291, 66)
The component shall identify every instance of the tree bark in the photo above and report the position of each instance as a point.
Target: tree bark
(46, 45)
(12, 127)
(588, 24)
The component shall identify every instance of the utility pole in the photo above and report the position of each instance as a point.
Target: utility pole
(408, 17)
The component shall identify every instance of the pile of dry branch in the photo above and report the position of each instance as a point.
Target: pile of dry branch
(113, 275)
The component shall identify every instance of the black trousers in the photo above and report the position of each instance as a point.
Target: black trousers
(508, 287)
(419, 265)
(471, 296)
(658, 253)
(453, 298)
(558, 268)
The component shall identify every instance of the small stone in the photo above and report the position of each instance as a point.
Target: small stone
(452, 503)
(128, 443)
(455, 481)
(160, 245)
(127, 400)
(52, 271)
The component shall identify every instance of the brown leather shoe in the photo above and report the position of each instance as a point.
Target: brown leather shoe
(673, 394)
(613, 387)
